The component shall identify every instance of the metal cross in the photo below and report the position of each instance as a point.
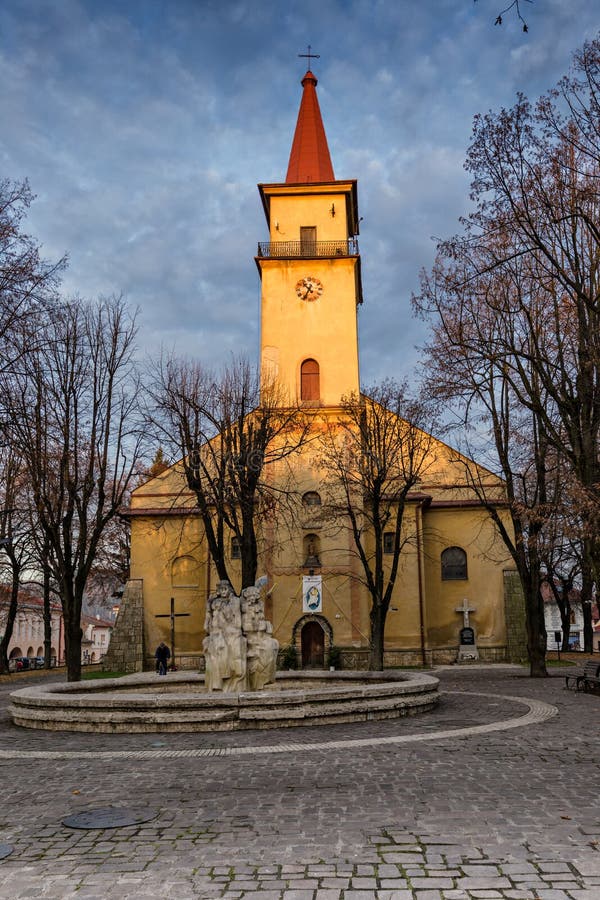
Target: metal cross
(310, 55)
(172, 616)
(465, 609)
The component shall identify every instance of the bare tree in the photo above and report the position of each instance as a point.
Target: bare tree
(229, 432)
(26, 281)
(16, 537)
(72, 410)
(516, 302)
(372, 457)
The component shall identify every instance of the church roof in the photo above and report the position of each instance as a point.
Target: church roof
(309, 157)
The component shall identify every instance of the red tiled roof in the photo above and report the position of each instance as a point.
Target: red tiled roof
(26, 600)
(309, 157)
(98, 623)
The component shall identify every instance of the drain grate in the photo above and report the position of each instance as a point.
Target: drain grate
(109, 817)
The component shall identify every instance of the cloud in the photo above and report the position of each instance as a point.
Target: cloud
(144, 128)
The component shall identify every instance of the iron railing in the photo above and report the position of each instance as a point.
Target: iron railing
(295, 249)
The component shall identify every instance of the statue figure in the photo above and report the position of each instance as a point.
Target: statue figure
(224, 644)
(262, 648)
(239, 652)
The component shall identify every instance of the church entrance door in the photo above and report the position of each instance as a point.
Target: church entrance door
(312, 639)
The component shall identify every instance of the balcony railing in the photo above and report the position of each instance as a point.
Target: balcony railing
(307, 249)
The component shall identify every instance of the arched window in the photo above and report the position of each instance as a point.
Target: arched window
(311, 498)
(454, 564)
(309, 380)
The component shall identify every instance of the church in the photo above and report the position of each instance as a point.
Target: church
(454, 569)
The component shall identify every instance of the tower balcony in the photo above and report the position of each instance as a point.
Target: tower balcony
(307, 249)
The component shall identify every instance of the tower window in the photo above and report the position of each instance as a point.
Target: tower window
(309, 380)
(236, 550)
(388, 541)
(454, 564)
(311, 498)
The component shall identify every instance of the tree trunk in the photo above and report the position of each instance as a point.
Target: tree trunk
(377, 634)
(586, 601)
(536, 631)
(47, 620)
(8, 628)
(73, 636)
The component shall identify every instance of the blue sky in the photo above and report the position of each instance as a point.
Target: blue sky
(144, 127)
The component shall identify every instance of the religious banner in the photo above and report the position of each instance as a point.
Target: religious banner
(312, 593)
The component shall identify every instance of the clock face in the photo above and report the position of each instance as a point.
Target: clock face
(309, 288)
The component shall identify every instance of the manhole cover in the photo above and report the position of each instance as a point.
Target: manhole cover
(109, 817)
(6, 850)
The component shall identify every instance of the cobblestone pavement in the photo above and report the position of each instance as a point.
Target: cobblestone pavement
(446, 806)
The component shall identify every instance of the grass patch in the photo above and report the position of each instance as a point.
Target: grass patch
(89, 676)
(559, 663)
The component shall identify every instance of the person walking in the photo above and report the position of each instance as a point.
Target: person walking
(162, 656)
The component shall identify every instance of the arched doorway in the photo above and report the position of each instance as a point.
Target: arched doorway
(312, 642)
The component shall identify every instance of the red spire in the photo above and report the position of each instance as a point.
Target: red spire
(309, 157)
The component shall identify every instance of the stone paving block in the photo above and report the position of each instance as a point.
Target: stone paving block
(401, 858)
(520, 868)
(359, 895)
(553, 895)
(471, 883)
(332, 882)
(553, 867)
(386, 870)
(520, 895)
(265, 895)
(481, 871)
(587, 867)
(303, 884)
(485, 895)
(364, 884)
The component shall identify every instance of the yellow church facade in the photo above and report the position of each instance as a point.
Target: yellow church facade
(310, 271)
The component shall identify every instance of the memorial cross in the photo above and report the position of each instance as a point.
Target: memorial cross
(465, 609)
(172, 616)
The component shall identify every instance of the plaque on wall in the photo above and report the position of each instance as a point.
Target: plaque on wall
(467, 637)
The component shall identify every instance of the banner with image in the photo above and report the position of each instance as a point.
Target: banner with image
(312, 594)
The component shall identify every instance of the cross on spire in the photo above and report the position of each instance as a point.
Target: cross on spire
(310, 55)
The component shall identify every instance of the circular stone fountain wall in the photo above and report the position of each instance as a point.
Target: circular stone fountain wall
(149, 703)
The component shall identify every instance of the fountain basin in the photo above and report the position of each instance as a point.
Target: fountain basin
(178, 702)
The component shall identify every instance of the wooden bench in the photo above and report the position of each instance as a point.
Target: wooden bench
(585, 680)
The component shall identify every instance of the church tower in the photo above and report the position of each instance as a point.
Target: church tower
(310, 270)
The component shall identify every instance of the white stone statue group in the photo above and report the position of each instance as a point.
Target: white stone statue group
(239, 651)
